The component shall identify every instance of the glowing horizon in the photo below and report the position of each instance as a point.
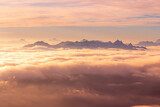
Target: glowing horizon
(57, 34)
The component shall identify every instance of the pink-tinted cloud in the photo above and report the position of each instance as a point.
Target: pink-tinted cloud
(81, 78)
(80, 85)
(79, 12)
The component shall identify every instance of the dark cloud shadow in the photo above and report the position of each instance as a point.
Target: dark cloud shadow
(81, 86)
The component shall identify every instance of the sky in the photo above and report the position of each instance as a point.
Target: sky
(131, 20)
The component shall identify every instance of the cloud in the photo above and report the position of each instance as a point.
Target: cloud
(81, 85)
(81, 78)
(110, 12)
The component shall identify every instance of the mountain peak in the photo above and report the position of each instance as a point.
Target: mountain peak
(87, 44)
(38, 43)
(149, 43)
(118, 42)
(158, 41)
(130, 44)
(84, 40)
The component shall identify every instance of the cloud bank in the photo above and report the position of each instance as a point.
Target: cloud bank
(81, 86)
(81, 78)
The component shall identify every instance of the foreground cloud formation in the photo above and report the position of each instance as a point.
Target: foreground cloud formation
(81, 78)
(79, 12)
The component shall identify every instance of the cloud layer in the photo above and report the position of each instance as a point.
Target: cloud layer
(79, 12)
(81, 78)
(81, 86)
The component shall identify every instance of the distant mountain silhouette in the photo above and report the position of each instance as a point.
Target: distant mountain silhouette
(87, 45)
(39, 43)
(149, 43)
(158, 41)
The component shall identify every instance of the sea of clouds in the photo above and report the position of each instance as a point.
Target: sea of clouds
(80, 78)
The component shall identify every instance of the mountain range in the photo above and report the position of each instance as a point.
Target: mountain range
(149, 43)
(86, 44)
